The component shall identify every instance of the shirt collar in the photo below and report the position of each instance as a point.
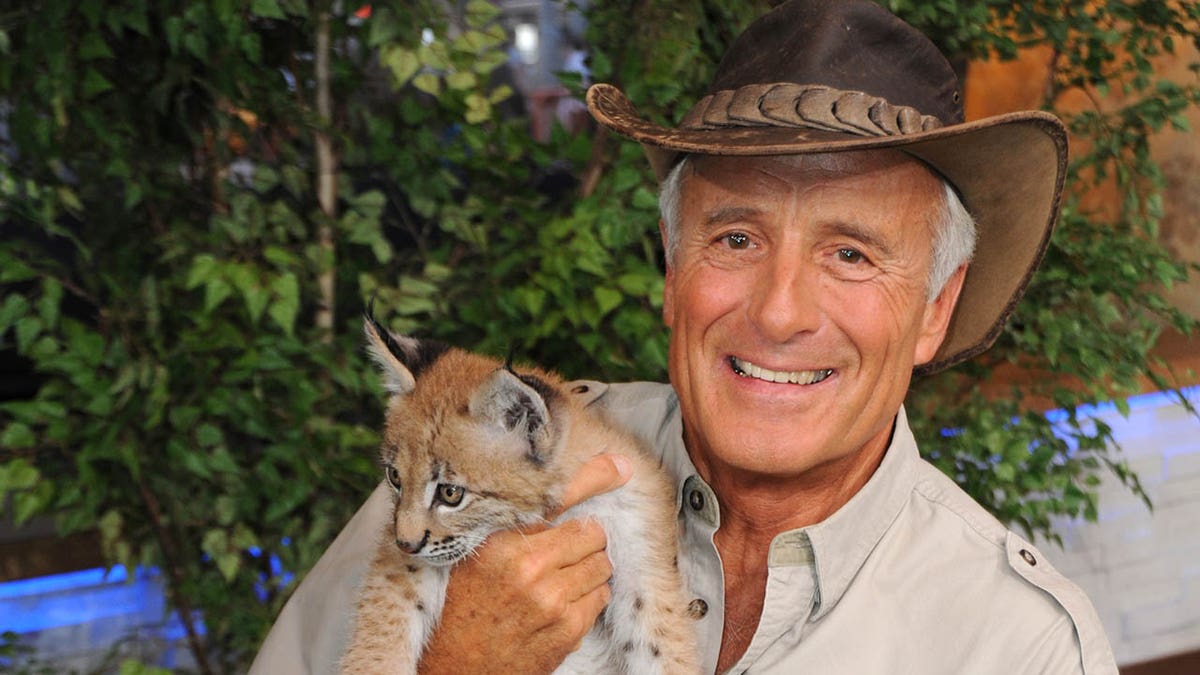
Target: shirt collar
(838, 546)
(841, 543)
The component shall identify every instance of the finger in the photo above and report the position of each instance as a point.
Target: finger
(598, 475)
(569, 543)
(587, 575)
(586, 610)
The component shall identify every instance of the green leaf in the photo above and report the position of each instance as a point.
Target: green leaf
(480, 12)
(31, 502)
(608, 299)
(203, 268)
(196, 464)
(225, 509)
(281, 257)
(428, 83)
(500, 94)
(14, 307)
(243, 538)
(48, 303)
(14, 269)
(216, 544)
(478, 109)
(286, 305)
(69, 198)
(461, 80)
(110, 525)
(209, 435)
(18, 474)
(135, 18)
(1005, 473)
(224, 462)
(268, 9)
(93, 47)
(28, 328)
(402, 62)
(253, 293)
(95, 84)
(216, 290)
(256, 298)
(17, 435)
(485, 63)
(134, 667)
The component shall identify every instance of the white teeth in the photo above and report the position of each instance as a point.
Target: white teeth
(747, 369)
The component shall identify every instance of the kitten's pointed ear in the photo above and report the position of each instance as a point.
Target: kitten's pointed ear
(388, 352)
(400, 358)
(517, 404)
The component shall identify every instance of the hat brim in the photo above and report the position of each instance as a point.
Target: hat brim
(1008, 169)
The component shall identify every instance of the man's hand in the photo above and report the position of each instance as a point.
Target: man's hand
(525, 600)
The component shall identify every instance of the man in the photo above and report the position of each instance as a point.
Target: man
(817, 218)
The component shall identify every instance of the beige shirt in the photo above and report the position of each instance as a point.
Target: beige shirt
(910, 576)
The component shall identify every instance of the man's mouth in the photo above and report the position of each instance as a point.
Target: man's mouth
(747, 369)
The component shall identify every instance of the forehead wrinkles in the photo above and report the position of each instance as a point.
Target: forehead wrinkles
(888, 180)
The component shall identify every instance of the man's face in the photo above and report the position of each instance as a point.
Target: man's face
(797, 306)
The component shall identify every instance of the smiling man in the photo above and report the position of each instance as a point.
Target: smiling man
(832, 228)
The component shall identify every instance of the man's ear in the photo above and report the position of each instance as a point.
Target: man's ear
(400, 358)
(937, 317)
(668, 295)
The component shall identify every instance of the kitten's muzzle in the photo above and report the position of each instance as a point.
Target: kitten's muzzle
(411, 547)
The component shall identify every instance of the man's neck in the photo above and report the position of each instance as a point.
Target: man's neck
(754, 509)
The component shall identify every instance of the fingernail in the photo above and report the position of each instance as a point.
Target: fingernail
(623, 465)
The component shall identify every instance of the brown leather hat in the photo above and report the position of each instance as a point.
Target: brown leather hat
(834, 75)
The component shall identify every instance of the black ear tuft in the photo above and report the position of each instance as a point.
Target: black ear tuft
(424, 354)
(542, 387)
(416, 355)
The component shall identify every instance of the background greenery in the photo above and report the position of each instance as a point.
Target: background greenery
(188, 290)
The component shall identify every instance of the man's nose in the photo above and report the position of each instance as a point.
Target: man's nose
(412, 545)
(785, 300)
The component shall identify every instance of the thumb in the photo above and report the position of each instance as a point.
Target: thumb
(600, 474)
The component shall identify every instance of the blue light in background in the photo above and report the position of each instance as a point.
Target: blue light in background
(60, 582)
(74, 598)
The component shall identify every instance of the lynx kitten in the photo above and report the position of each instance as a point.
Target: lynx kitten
(471, 447)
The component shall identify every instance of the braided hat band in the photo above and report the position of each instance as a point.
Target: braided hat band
(812, 106)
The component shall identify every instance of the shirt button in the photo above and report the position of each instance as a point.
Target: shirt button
(1028, 557)
(696, 500)
(697, 608)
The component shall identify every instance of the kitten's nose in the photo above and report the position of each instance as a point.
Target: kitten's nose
(411, 547)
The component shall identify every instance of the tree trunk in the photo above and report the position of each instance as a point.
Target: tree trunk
(326, 179)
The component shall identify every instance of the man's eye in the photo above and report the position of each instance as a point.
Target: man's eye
(737, 240)
(850, 255)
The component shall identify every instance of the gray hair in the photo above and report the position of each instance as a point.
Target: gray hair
(954, 232)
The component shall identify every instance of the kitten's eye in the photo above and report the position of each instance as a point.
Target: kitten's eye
(450, 495)
(393, 476)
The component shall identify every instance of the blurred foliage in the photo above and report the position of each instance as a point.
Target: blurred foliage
(159, 264)
(1096, 307)
(19, 658)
